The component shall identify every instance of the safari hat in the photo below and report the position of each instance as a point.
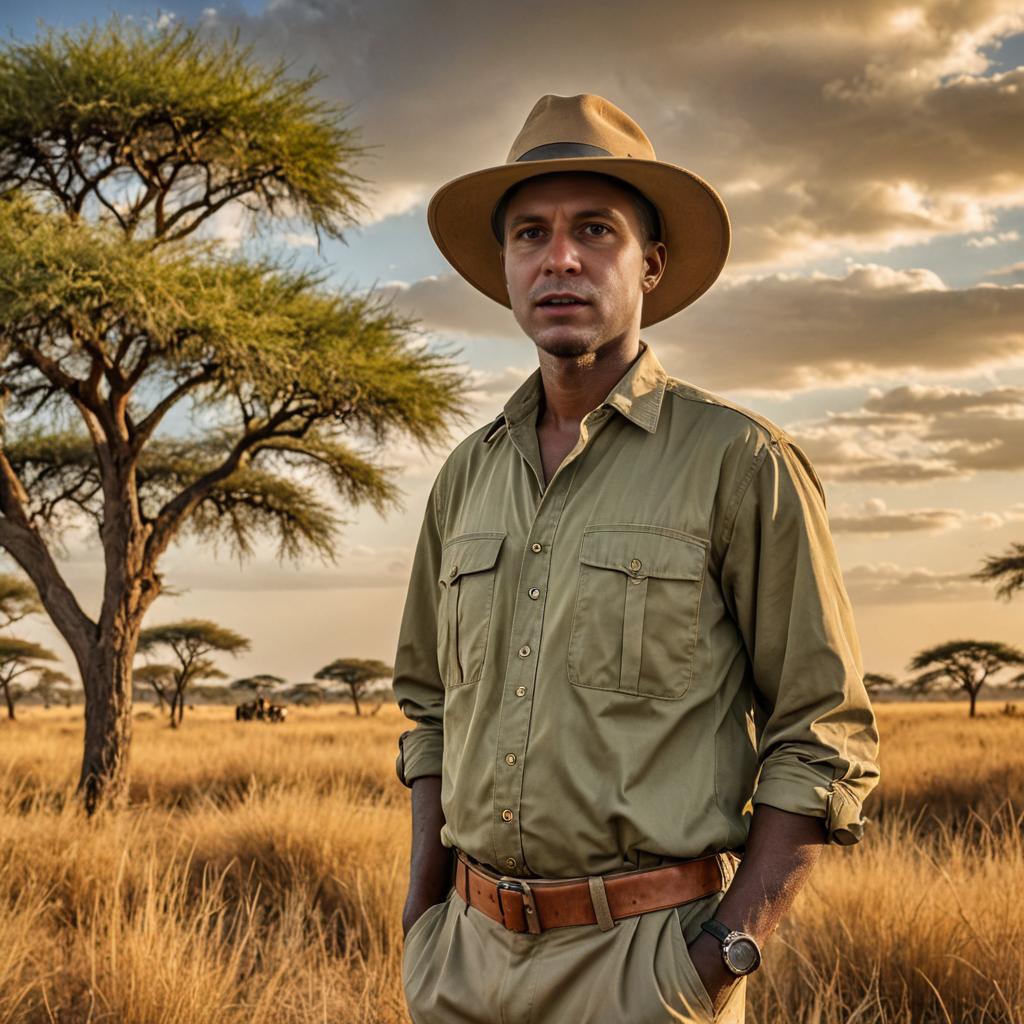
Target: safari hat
(587, 133)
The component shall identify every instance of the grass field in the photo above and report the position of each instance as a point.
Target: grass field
(260, 876)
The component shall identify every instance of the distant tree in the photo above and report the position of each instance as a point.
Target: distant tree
(357, 674)
(258, 685)
(209, 693)
(117, 146)
(963, 664)
(191, 640)
(877, 681)
(18, 658)
(160, 677)
(50, 683)
(18, 599)
(1007, 568)
(305, 693)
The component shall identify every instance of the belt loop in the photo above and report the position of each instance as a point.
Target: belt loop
(599, 898)
(726, 867)
(530, 909)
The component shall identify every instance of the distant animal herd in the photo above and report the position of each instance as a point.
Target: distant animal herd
(260, 710)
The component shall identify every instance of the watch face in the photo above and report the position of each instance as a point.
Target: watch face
(743, 955)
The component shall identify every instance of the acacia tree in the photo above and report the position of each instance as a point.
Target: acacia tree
(1006, 569)
(191, 640)
(356, 673)
(52, 684)
(159, 677)
(18, 657)
(118, 144)
(964, 665)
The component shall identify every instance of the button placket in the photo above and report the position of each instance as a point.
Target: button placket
(521, 673)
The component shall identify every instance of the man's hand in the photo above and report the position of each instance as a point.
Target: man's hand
(717, 979)
(430, 861)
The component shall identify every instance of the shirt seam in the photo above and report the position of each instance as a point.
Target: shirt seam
(739, 494)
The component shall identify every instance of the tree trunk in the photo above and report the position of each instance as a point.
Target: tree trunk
(10, 703)
(355, 700)
(974, 697)
(108, 726)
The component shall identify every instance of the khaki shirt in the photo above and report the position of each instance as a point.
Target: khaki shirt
(610, 670)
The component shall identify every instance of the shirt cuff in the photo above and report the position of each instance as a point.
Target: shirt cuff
(420, 752)
(794, 786)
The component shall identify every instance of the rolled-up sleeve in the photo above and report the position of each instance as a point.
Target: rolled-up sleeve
(817, 735)
(417, 683)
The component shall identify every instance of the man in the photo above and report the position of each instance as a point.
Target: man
(626, 644)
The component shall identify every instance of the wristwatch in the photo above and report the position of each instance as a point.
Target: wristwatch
(739, 950)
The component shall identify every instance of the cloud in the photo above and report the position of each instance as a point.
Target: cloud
(1009, 269)
(915, 433)
(987, 241)
(888, 583)
(875, 518)
(787, 332)
(857, 126)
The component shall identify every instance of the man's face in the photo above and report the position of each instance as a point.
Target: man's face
(577, 234)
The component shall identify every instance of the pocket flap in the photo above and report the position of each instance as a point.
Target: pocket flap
(640, 553)
(472, 552)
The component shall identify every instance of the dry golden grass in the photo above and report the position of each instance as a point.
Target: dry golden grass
(261, 871)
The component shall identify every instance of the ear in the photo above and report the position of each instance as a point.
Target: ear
(655, 259)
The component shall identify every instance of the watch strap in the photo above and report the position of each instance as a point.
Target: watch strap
(716, 928)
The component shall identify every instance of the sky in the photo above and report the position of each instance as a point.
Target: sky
(871, 158)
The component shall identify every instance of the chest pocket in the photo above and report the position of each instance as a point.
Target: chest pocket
(635, 620)
(464, 611)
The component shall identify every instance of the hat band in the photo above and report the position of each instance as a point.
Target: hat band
(559, 150)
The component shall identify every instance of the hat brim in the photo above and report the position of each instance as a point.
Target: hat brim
(695, 225)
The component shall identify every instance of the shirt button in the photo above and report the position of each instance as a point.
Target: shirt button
(510, 862)
(507, 814)
(634, 564)
(535, 547)
(524, 651)
(453, 570)
(510, 759)
(534, 593)
(520, 691)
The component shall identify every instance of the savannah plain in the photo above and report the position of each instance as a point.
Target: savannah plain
(259, 873)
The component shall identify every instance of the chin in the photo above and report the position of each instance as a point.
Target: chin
(567, 342)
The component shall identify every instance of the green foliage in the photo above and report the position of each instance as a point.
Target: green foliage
(18, 598)
(191, 638)
(164, 127)
(1006, 569)
(282, 361)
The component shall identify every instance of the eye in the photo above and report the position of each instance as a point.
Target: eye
(522, 231)
(603, 227)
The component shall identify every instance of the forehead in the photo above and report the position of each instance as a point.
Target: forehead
(570, 187)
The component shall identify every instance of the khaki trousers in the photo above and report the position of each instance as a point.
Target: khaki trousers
(460, 967)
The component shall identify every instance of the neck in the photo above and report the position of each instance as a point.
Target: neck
(573, 385)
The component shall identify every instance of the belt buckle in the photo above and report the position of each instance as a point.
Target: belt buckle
(516, 885)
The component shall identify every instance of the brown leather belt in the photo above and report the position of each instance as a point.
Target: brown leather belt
(535, 904)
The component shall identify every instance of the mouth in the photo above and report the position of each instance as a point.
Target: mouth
(562, 302)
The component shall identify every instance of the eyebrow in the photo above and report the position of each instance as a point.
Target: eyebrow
(600, 211)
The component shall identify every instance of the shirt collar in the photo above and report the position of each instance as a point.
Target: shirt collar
(637, 395)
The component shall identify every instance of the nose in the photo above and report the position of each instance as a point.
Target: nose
(561, 255)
